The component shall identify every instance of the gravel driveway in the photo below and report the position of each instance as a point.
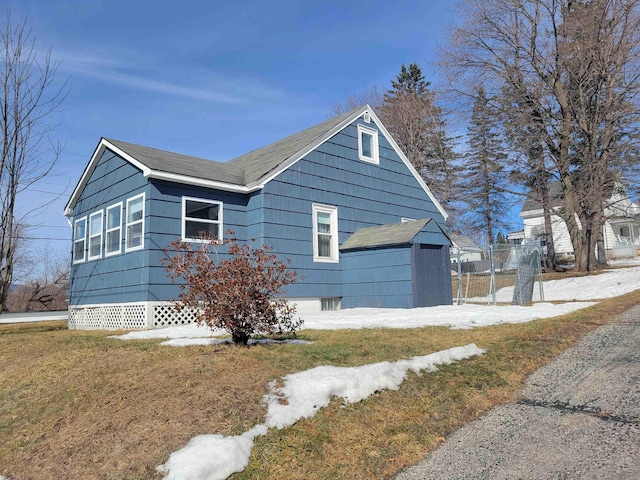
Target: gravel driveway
(578, 418)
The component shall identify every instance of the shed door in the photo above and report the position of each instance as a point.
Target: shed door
(431, 274)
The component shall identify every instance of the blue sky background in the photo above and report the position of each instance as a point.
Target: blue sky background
(213, 79)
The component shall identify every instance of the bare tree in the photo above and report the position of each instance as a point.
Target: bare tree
(47, 291)
(372, 97)
(27, 98)
(569, 71)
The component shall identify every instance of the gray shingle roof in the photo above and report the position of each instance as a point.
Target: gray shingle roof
(261, 162)
(462, 241)
(176, 163)
(242, 170)
(384, 235)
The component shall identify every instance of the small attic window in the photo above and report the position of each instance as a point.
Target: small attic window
(368, 144)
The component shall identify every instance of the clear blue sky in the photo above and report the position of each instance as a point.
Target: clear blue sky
(213, 79)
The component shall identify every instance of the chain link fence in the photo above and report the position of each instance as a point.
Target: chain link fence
(501, 274)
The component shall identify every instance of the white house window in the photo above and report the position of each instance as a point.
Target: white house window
(200, 215)
(113, 243)
(79, 239)
(134, 232)
(95, 235)
(368, 144)
(325, 233)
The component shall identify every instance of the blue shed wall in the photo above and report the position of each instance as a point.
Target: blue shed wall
(377, 278)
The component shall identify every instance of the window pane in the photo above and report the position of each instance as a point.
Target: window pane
(134, 210)
(113, 217)
(94, 247)
(202, 210)
(78, 250)
(134, 235)
(367, 145)
(113, 241)
(193, 229)
(324, 222)
(324, 245)
(95, 225)
(80, 230)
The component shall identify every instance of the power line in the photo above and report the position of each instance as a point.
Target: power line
(44, 238)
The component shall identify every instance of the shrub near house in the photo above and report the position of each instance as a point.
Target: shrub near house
(240, 294)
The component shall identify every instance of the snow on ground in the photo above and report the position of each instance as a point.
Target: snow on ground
(607, 284)
(215, 457)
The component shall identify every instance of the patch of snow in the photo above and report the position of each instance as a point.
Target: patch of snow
(216, 457)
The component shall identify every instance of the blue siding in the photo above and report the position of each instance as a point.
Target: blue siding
(123, 277)
(431, 234)
(165, 226)
(366, 195)
(377, 278)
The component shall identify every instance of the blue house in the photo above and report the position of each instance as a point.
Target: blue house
(340, 200)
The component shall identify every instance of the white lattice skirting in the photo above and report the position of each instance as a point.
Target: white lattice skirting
(128, 316)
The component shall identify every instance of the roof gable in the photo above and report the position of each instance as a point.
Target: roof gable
(244, 174)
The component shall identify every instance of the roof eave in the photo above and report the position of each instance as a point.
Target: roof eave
(91, 166)
(201, 182)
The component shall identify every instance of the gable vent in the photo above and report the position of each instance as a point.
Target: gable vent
(367, 117)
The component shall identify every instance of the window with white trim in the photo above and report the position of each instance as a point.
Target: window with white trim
(113, 230)
(79, 239)
(368, 144)
(325, 233)
(134, 230)
(95, 235)
(201, 215)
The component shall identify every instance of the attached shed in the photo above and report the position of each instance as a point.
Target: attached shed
(400, 265)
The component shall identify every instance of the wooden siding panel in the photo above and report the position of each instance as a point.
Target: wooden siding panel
(431, 275)
(377, 278)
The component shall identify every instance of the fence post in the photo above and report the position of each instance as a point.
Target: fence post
(540, 278)
(459, 279)
(492, 287)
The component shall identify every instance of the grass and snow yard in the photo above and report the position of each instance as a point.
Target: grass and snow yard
(77, 404)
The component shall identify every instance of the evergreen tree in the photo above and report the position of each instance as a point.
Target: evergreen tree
(485, 172)
(418, 125)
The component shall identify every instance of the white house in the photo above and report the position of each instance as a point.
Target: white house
(464, 249)
(621, 229)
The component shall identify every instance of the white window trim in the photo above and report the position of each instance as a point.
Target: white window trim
(108, 230)
(184, 218)
(375, 158)
(333, 217)
(92, 217)
(127, 224)
(83, 239)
